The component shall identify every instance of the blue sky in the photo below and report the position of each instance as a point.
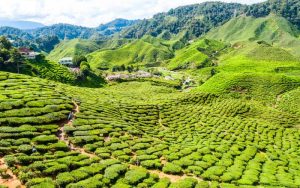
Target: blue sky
(90, 12)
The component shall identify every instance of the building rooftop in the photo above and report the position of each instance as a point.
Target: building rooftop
(66, 59)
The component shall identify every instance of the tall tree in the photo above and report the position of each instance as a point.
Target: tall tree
(16, 58)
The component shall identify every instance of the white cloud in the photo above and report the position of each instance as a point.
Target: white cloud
(89, 12)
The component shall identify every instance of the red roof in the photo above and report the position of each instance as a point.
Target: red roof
(25, 50)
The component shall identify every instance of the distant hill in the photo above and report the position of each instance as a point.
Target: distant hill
(115, 26)
(276, 31)
(15, 33)
(65, 31)
(198, 54)
(71, 48)
(44, 38)
(148, 51)
(20, 24)
(195, 20)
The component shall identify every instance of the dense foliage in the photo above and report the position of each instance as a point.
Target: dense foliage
(288, 9)
(238, 126)
(10, 58)
(115, 26)
(196, 20)
(131, 137)
(193, 19)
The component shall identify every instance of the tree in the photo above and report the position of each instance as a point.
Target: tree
(47, 43)
(130, 68)
(16, 58)
(78, 59)
(5, 43)
(122, 68)
(85, 68)
(213, 72)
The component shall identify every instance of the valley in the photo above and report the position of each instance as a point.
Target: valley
(194, 101)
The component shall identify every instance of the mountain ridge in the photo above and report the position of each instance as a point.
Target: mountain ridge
(20, 24)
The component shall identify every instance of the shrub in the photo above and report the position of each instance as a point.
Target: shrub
(151, 164)
(64, 179)
(36, 181)
(186, 183)
(56, 169)
(202, 184)
(121, 185)
(172, 168)
(135, 176)
(163, 183)
(45, 139)
(114, 171)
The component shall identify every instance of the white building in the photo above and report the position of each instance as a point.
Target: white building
(32, 55)
(66, 61)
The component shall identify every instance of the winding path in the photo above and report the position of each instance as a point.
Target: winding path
(12, 181)
(63, 137)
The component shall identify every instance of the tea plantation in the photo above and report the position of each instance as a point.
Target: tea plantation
(137, 134)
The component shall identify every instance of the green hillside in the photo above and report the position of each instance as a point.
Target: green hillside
(255, 71)
(220, 110)
(71, 48)
(198, 54)
(56, 72)
(147, 51)
(274, 30)
(142, 135)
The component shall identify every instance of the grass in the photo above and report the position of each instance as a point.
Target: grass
(260, 75)
(147, 51)
(220, 139)
(272, 29)
(71, 48)
(56, 72)
(239, 128)
(196, 54)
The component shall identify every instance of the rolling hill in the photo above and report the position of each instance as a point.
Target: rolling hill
(148, 51)
(198, 54)
(115, 26)
(70, 48)
(255, 70)
(238, 127)
(276, 31)
(20, 24)
(195, 20)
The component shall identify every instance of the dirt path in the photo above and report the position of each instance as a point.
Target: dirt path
(63, 137)
(13, 181)
(278, 99)
(173, 178)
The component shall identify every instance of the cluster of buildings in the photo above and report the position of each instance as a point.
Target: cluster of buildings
(67, 61)
(28, 53)
(139, 74)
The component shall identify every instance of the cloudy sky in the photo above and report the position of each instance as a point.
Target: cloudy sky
(89, 12)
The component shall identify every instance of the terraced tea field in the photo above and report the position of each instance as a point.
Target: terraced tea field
(122, 136)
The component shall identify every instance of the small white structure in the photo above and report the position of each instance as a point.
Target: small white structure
(66, 61)
(32, 55)
(28, 53)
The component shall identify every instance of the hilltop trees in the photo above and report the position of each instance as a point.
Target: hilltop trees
(77, 60)
(288, 9)
(47, 43)
(4, 43)
(16, 58)
(10, 58)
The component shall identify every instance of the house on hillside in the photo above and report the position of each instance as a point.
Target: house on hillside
(28, 53)
(67, 61)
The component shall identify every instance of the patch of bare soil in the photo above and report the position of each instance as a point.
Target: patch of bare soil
(63, 137)
(11, 181)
